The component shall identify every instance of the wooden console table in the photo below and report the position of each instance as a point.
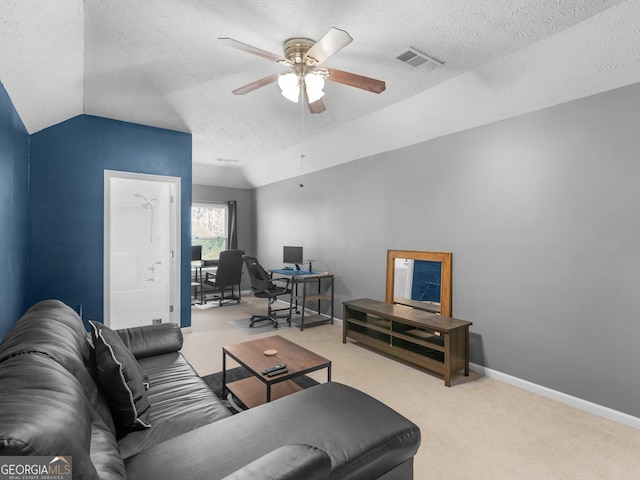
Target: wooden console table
(439, 344)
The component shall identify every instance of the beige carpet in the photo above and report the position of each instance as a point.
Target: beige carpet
(477, 429)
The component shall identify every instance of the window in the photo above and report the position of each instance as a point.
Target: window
(209, 228)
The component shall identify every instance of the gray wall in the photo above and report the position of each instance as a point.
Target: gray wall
(542, 214)
(243, 199)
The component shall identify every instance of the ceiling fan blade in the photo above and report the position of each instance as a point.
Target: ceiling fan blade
(358, 81)
(245, 47)
(331, 42)
(317, 106)
(250, 87)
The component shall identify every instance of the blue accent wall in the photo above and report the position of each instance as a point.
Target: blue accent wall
(68, 162)
(14, 214)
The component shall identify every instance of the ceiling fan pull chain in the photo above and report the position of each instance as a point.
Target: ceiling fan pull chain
(301, 136)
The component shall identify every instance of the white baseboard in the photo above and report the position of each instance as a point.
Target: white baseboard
(579, 403)
(576, 402)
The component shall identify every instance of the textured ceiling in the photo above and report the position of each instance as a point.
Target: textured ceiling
(158, 62)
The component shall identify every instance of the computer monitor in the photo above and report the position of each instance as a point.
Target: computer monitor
(196, 253)
(292, 255)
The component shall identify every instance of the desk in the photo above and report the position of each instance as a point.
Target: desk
(308, 278)
(198, 282)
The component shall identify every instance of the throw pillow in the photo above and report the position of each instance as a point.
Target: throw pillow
(121, 379)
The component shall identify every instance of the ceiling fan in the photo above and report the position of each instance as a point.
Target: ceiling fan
(304, 57)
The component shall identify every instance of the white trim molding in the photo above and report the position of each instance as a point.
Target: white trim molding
(579, 403)
(174, 294)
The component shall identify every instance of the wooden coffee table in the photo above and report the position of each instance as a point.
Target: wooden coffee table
(258, 388)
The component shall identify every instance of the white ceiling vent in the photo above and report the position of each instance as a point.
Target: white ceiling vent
(417, 59)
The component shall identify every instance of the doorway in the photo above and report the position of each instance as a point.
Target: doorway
(141, 249)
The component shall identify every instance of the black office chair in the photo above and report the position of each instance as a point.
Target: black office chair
(263, 286)
(226, 277)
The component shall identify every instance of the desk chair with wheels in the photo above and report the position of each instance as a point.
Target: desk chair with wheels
(226, 277)
(263, 286)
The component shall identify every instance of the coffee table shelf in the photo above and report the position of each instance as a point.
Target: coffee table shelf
(259, 388)
(251, 391)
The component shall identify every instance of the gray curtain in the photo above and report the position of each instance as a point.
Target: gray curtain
(232, 233)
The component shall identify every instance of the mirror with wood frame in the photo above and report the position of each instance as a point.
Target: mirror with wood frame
(421, 280)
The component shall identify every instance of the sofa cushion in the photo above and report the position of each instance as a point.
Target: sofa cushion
(152, 340)
(104, 452)
(180, 402)
(54, 329)
(44, 411)
(363, 437)
(121, 379)
(291, 462)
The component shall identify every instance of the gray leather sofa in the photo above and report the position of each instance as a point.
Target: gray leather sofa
(55, 400)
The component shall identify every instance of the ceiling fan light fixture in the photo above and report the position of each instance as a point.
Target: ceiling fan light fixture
(289, 86)
(314, 85)
(306, 57)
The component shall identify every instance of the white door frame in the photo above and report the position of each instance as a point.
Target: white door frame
(175, 238)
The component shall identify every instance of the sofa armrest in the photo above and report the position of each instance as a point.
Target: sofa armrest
(290, 462)
(151, 340)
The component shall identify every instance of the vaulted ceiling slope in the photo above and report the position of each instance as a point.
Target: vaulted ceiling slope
(159, 63)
